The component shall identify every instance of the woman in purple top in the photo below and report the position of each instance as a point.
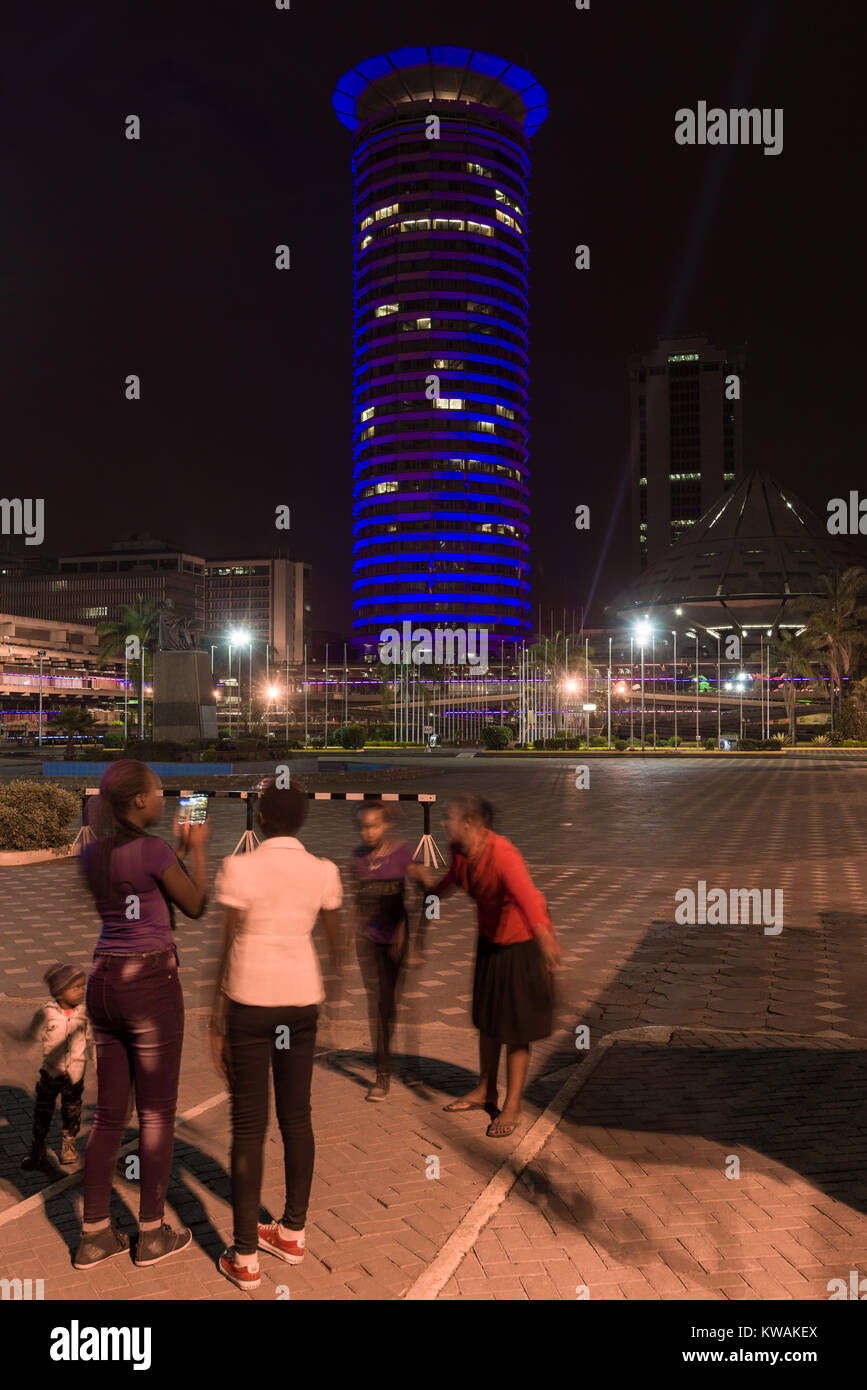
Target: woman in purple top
(379, 867)
(135, 1002)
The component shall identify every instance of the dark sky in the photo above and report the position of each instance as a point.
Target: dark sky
(157, 257)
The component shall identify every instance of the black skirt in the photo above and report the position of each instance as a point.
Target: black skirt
(513, 997)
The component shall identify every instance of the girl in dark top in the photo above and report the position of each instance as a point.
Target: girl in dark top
(378, 869)
(135, 1003)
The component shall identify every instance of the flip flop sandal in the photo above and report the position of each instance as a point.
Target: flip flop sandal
(458, 1105)
(508, 1127)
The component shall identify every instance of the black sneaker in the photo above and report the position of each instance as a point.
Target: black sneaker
(36, 1157)
(379, 1091)
(157, 1245)
(99, 1246)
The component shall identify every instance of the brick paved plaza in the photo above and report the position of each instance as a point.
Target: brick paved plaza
(757, 1051)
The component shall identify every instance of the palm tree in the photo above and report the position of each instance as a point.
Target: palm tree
(837, 623)
(796, 653)
(141, 620)
(562, 654)
(73, 719)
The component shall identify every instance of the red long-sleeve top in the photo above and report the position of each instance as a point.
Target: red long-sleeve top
(510, 906)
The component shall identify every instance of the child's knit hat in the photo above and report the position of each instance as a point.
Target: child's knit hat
(59, 977)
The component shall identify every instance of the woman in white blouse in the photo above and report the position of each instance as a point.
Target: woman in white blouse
(269, 987)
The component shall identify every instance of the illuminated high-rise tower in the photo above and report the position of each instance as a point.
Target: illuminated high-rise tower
(441, 167)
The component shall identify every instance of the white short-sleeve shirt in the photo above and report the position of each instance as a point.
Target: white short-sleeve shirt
(280, 888)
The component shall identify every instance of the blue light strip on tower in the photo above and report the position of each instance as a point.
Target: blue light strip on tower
(469, 330)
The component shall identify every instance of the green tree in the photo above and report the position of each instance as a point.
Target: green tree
(72, 720)
(141, 620)
(838, 624)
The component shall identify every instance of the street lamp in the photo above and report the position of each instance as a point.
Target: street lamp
(642, 636)
(273, 692)
(674, 635)
(240, 637)
(39, 735)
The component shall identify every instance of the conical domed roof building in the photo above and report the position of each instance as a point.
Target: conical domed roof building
(753, 560)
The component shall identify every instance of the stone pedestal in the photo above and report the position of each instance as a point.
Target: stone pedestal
(184, 706)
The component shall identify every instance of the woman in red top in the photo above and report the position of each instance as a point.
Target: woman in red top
(517, 951)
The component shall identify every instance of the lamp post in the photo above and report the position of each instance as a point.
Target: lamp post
(653, 669)
(228, 693)
(674, 635)
(631, 710)
(609, 692)
(305, 694)
(718, 695)
(39, 735)
(588, 710)
(697, 692)
(642, 632)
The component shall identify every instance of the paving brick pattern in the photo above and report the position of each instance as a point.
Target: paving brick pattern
(631, 1198)
(610, 860)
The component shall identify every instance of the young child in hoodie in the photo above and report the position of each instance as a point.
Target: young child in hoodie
(62, 1028)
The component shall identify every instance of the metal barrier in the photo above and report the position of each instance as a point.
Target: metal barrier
(432, 856)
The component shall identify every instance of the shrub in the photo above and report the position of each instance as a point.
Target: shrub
(675, 742)
(161, 752)
(209, 755)
(621, 744)
(597, 741)
(496, 736)
(35, 815)
(114, 739)
(350, 736)
(710, 744)
(822, 739)
(781, 740)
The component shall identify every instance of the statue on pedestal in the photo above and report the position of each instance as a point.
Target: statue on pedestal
(176, 634)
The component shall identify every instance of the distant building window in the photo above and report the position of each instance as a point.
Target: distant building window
(684, 357)
(384, 310)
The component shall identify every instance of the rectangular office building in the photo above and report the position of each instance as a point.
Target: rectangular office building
(686, 438)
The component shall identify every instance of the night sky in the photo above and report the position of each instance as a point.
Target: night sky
(157, 258)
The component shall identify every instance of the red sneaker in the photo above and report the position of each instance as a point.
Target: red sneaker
(244, 1278)
(292, 1251)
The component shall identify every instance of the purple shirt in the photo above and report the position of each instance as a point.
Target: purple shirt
(130, 926)
(379, 892)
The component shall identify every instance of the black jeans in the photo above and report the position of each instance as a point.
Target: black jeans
(253, 1049)
(136, 1006)
(48, 1088)
(381, 975)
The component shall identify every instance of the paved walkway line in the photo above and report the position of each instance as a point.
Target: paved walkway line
(460, 1242)
(38, 1199)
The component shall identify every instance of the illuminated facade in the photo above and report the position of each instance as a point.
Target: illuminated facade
(441, 166)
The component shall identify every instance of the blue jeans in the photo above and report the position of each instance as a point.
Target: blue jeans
(136, 1007)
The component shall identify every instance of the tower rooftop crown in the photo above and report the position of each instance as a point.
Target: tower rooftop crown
(442, 72)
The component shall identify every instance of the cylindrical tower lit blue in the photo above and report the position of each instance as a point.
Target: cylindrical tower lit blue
(441, 167)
